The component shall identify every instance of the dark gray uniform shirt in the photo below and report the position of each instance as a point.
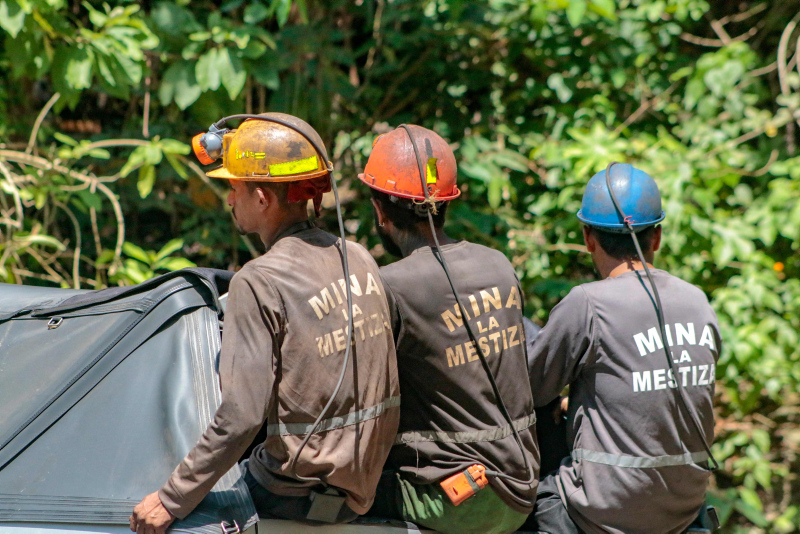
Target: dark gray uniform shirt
(603, 339)
(449, 418)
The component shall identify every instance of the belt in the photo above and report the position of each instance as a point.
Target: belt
(471, 436)
(333, 423)
(639, 462)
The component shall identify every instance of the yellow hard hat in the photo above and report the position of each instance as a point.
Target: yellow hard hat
(264, 151)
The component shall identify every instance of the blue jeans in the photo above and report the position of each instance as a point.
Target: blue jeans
(272, 506)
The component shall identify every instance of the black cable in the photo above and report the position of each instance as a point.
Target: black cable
(324, 155)
(319, 148)
(439, 254)
(659, 315)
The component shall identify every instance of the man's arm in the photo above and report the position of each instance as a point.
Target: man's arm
(247, 377)
(394, 311)
(562, 348)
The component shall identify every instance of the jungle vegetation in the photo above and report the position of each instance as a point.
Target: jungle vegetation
(98, 102)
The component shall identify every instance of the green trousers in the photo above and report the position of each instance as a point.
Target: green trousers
(428, 506)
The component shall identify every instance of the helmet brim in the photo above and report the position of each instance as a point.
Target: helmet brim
(619, 228)
(445, 198)
(223, 174)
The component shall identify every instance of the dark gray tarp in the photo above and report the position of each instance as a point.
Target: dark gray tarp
(102, 393)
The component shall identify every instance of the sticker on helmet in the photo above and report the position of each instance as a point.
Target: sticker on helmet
(294, 167)
(432, 173)
(250, 154)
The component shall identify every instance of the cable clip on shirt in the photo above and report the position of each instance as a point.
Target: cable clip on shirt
(465, 484)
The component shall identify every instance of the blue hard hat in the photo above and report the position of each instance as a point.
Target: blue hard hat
(637, 194)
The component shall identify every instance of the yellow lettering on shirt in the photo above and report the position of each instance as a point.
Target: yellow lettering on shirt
(492, 299)
(484, 345)
(453, 318)
(372, 285)
(325, 345)
(339, 339)
(512, 336)
(472, 353)
(455, 355)
(513, 299)
(323, 303)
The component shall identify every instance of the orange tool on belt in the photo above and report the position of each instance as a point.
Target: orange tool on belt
(465, 484)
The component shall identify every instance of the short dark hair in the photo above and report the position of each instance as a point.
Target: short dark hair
(281, 189)
(620, 246)
(405, 218)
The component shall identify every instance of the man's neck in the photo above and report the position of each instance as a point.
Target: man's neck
(409, 242)
(625, 267)
(271, 233)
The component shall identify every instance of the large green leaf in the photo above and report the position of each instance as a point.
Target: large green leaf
(255, 13)
(12, 17)
(79, 68)
(179, 85)
(231, 72)
(136, 252)
(147, 179)
(575, 12)
(173, 246)
(207, 70)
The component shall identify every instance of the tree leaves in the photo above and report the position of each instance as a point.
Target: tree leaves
(12, 17)
(232, 73)
(179, 84)
(79, 69)
(72, 70)
(207, 70)
(147, 178)
(575, 12)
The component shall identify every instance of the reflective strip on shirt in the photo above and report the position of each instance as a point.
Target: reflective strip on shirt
(333, 423)
(639, 462)
(471, 436)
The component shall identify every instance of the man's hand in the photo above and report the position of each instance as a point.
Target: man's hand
(150, 516)
(560, 410)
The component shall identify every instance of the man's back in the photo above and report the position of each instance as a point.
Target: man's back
(301, 292)
(449, 415)
(630, 471)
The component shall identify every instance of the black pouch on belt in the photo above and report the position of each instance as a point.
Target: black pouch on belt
(325, 505)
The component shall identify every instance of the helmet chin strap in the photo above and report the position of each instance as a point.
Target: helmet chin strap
(430, 206)
(216, 131)
(656, 300)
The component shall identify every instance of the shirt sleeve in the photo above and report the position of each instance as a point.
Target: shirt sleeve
(396, 319)
(563, 347)
(247, 376)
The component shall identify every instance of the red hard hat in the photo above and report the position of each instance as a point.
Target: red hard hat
(392, 166)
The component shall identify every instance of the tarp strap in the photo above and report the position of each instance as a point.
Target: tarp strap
(639, 462)
(333, 423)
(471, 436)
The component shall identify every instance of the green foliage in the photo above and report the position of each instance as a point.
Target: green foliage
(535, 95)
(142, 265)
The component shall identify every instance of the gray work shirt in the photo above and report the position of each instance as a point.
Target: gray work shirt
(282, 349)
(624, 413)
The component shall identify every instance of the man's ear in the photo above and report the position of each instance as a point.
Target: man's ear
(382, 219)
(589, 240)
(265, 197)
(656, 238)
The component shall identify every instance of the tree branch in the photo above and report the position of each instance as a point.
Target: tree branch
(76, 279)
(17, 199)
(39, 119)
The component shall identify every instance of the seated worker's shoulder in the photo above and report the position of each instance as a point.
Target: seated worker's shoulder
(668, 284)
(486, 256)
(460, 254)
(683, 287)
